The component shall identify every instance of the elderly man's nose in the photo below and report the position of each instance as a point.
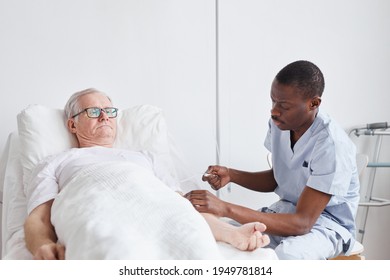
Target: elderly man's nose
(103, 115)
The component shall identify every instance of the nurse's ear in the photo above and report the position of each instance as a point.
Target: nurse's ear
(315, 103)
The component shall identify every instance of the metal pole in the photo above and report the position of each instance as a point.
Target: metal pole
(370, 187)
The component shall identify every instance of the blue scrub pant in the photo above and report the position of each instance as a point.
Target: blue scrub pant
(319, 244)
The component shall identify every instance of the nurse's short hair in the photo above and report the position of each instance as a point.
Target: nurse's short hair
(305, 76)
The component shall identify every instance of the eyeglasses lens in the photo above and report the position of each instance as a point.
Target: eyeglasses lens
(95, 112)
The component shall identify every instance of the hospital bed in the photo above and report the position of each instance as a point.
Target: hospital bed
(42, 132)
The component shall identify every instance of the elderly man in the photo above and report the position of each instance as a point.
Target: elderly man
(314, 173)
(91, 117)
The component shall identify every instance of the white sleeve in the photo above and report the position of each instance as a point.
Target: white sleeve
(42, 185)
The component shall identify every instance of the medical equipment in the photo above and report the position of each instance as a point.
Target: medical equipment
(207, 175)
(377, 130)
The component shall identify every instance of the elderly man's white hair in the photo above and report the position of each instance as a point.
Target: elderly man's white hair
(72, 107)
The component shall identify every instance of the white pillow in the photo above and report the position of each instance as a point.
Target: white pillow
(142, 128)
(43, 132)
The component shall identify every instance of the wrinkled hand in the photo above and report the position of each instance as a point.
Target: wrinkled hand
(205, 202)
(217, 176)
(50, 251)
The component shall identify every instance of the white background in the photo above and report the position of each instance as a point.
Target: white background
(185, 55)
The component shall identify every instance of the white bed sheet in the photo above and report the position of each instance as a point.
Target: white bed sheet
(14, 203)
(13, 169)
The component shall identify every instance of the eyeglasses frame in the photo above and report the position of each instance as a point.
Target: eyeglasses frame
(101, 110)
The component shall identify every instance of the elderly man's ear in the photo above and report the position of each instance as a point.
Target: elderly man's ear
(71, 126)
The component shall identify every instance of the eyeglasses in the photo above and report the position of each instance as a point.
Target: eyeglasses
(95, 112)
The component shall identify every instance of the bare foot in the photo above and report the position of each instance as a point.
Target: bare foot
(247, 237)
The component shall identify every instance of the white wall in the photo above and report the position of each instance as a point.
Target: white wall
(163, 52)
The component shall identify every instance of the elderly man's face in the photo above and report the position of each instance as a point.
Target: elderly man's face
(90, 132)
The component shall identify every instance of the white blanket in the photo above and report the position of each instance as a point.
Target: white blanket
(117, 210)
(112, 211)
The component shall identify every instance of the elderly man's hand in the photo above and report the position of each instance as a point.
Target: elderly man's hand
(50, 251)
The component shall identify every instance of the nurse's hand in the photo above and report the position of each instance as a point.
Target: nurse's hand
(206, 202)
(217, 176)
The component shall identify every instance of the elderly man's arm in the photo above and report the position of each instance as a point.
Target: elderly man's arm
(40, 235)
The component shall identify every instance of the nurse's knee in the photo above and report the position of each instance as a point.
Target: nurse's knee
(288, 252)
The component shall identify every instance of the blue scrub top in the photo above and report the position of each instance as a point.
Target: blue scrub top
(324, 158)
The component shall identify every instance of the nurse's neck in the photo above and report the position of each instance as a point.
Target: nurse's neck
(293, 140)
(296, 134)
